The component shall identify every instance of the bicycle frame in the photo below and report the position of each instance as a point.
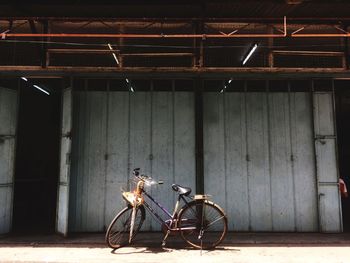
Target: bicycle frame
(172, 218)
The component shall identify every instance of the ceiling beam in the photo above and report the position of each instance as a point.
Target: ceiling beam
(171, 72)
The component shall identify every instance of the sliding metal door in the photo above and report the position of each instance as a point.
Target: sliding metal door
(259, 159)
(117, 131)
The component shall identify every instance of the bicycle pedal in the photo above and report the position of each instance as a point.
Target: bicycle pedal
(163, 244)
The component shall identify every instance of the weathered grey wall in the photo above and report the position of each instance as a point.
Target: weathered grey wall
(259, 160)
(118, 131)
(259, 156)
(8, 123)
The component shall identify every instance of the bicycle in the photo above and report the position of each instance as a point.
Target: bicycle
(200, 222)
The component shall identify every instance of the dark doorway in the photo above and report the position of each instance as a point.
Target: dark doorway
(342, 91)
(37, 156)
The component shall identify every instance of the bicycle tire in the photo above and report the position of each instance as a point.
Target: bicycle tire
(212, 222)
(117, 234)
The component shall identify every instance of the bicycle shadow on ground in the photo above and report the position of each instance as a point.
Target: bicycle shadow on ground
(157, 248)
(154, 250)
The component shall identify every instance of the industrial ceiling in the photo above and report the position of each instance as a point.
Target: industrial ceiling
(176, 36)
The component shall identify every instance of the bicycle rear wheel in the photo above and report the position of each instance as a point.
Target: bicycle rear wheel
(118, 232)
(203, 224)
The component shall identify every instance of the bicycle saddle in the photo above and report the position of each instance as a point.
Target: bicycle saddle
(181, 189)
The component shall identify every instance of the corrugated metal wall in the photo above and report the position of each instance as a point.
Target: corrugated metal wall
(118, 131)
(8, 124)
(259, 160)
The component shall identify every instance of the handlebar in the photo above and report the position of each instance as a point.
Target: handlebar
(145, 178)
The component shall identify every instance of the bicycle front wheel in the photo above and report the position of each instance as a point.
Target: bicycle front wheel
(118, 232)
(203, 224)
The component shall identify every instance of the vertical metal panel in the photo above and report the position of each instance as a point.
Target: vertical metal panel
(325, 141)
(78, 160)
(141, 136)
(326, 159)
(330, 207)
(303, 164)
(8, 111)
(163, 148)
(327, 171)
(63, 188)
(184, 143)
(140, 131)
(62, 209)
(94, 187)
(258, 162)
(8, 122)
(214, 147)
(90, 177)
(324, 119)
(117, 172)
(282, 190)
(237, 204)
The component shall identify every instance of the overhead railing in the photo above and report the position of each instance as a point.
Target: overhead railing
(162, 43)
(233, 32)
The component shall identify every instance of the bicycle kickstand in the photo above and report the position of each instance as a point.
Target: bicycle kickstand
(165, 237)
(200, 237)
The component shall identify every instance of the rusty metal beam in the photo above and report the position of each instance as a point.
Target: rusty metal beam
(208, 19)
(308, 53)
(231, 70)
(176, 73)
(157, 55)
(80, 51)
(202, 36)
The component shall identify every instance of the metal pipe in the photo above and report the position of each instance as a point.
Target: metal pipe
(320, 35)
(155, 19)
(203, 36)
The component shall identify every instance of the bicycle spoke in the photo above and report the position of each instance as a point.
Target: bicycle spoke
(216, 220)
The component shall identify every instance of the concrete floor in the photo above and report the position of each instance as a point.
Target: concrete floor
(237, 247)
